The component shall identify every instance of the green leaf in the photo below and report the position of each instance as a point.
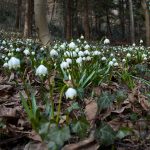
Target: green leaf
(80, 127)
(59, 135)
(123, 132)
(105, 134)
(25, 105)
(34, 106)
(74, 106)
(105, 100)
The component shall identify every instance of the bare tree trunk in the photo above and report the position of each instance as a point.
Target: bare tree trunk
(147, 22)
(27, 20)
(18, 13)
(86, 21)
(41, 21)
(132, 28)
(68, 21)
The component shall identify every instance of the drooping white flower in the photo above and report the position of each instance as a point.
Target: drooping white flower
(69, 61)
(79, 60)
(13, 63)
(17, 49)
(4, 42)
(26, 51)
(72, 45)
(11, 46)
(123, 60)
(128, 55)
(86, 46)
(80, 53)
(41, 70)
(81, 37)
(64, 65)
(33, 53)
(10, 54)
(106, 41)
(5, 65)
(114, 60)
(133, 44)
(103, 58)
(3, 56)
(144, 55)
(86, 52)
(88, 58)
(145, 58)
(116, 64)
(41, 49)
(67, 54)
(53, 53)
(6, 58)
(77, 49)
(71, 93)
(63, 46)
(111, 63)
(96, 53)
(141, 41)
(74, 54)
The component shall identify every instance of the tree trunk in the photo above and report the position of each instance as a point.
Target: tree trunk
(68, 21)
(28, 18)
(18, 13)
(41, 21)
(147, 22)
(86, 21)
(132, 28)
(122, 18)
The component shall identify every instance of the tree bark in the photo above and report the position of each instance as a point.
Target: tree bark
(27, 19)
(132, 28)
(86, 25)
(147, 22)
(18, 13)
(68, 21)
(41, 21)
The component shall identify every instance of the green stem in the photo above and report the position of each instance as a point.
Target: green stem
(59, 105)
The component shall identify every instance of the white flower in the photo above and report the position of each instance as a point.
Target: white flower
(72, 45)
(62, 46)
(33, 53)
(82, 37)
(13, 63)
(74, 54)
(69, 61)
(11, 46)
(114, 60)
(26, 51)
(144, 55)
(145, 58)
(5, 65)
(41, 70)
(86, 52)
(6, 58)
(71, 93)
(96, 53)
(88, 58)
(3, 56)
(111, 63)
(116, 64)
(77, 49)
(103, 58)
(80, 53)
(106, 41)
(10, 54)
(53, 53)
(111, 54)
(141, 41)
(4, 42)
(17, 49)
(133, 44)
(79, 60)
(86, 46)
(41, 49)
(64, 65)
(123, 60)
(128, 55)
(67, 54)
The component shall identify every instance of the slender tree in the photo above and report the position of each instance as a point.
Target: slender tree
(41, 21)
(147, 21)
(132, 28)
